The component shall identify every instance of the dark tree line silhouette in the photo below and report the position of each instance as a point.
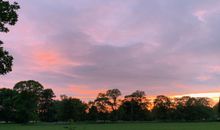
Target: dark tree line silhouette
(29, 101)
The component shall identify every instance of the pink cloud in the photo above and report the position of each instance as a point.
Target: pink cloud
(204, 77)
(79, 91)
(50, 60)
(200, 14)
(214, 69)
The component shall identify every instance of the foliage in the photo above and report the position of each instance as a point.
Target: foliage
(5, 60)
(8, 16)
(135, 107)
(162, 107)
(72, 109)
(47, 110)
(7, 105)
(27, 100)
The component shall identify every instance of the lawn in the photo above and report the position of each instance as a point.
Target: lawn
(122, 126)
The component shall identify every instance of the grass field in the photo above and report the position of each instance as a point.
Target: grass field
(123, 126)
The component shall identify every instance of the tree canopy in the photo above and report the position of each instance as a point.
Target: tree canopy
(8, 16)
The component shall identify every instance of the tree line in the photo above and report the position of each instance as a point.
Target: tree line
(29, 101)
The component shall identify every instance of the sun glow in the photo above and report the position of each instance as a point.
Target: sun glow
(213, 95)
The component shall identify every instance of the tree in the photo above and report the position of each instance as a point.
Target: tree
(113, 102)
(113, 95)
(47, 110)
(29, 86)
(192, 109)
(219, 107)
(101, 102)
(27, 100)
(8, 16)
(162, 107)
(102, 105)
(5, 61)
(92, 112)
(137, 94)
(135, 107)
(72, 109)
(7, 106)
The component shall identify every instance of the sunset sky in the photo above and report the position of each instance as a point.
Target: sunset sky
(82, 47)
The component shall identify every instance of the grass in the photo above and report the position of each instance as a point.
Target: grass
(119, 126)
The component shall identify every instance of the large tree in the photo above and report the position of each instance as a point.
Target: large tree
(27, 100)
(92, 112)
(219, 107)
(102, 105)
(72, 109)
(162, 107)
(47, 110)
(5, 60)
(7, 106)
(113, 101)
(113, 95)
(8, 16)
(135, 107)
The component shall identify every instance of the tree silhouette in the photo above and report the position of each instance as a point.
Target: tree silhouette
(113, 95)
(101, 103)
(162, 107)
(219, 107)
(135, 107)
(7, 107)
(5, 61)
(46, 106)
(27, 100)
(92, 112)
(8, 16)
(72, 109)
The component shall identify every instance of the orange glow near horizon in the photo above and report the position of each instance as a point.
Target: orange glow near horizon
(212, 95)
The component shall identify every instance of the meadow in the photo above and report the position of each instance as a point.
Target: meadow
(118, 126)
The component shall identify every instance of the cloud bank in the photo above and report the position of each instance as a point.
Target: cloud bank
(82, 47)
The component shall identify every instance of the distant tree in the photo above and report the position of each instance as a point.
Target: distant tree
(92, 112)
(27, 100)
(219, 107)
(137, 94)
(102, 105)
(192, 109)
(113, 95)
(47, 109)
(101, 102)
(8, 16)
(7, 106)
(72, 109)
(162, 107)
(135, 107)
(57, 107)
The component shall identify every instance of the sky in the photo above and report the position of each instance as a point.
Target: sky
(83, 47)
